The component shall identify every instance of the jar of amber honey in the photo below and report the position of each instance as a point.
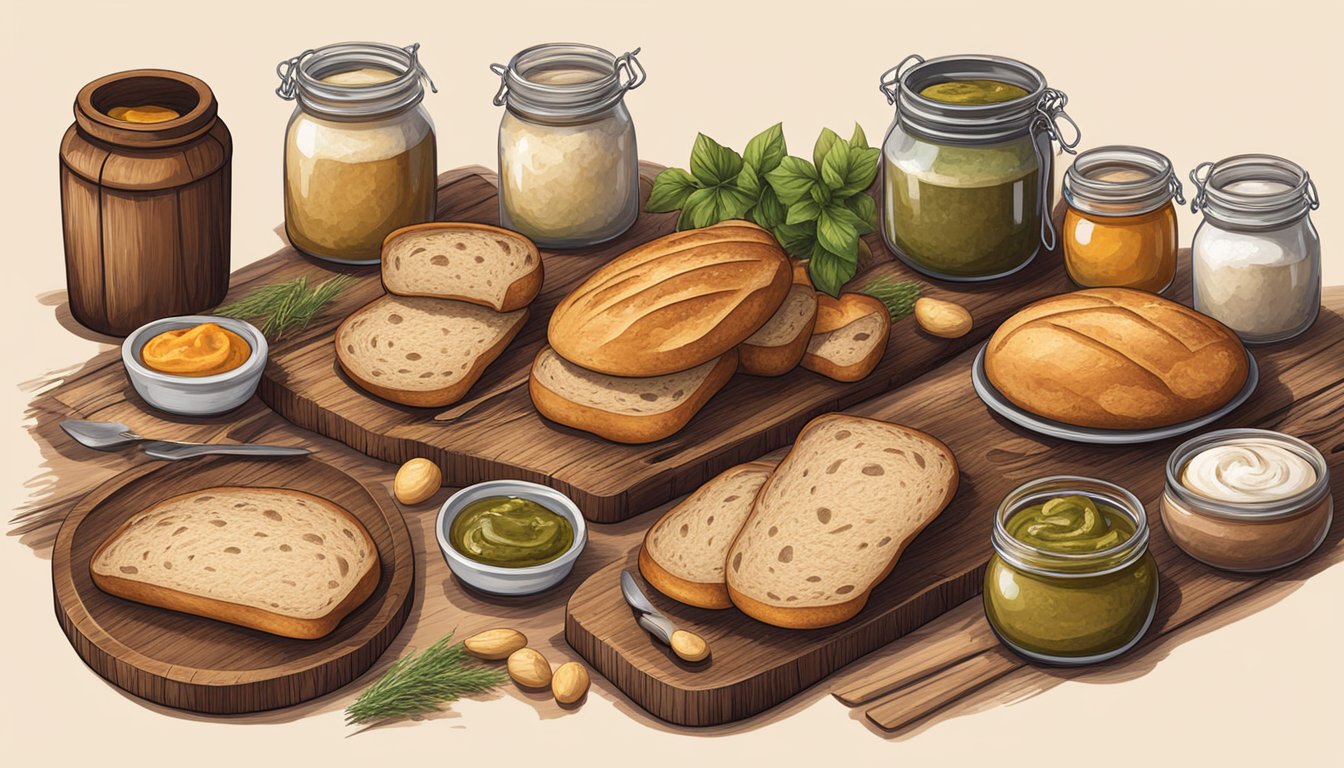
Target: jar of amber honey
(1120, 227)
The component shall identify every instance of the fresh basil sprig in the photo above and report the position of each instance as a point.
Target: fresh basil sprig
(817, 210)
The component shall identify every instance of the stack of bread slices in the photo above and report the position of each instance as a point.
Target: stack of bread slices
(457, 294)
(648, 339)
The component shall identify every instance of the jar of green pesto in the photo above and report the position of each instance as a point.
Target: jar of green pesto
(1071, 581)
(967, 164)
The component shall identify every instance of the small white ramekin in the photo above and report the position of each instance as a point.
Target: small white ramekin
(510, 581)
(195, 395)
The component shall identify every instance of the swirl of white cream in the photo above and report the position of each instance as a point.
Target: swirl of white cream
(1248, 470)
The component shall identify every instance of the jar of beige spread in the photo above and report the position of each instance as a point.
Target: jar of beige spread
(1247, 499)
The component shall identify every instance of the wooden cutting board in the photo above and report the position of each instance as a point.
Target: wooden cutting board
(754, 666)
(199, 664)
(495, 433)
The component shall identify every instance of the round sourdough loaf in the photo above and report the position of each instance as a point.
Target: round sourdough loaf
(673, 303)
(1115, 358)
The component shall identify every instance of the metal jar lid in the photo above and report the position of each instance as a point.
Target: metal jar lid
(1253, 192)
(301, 78)
(1121, 181)
(523, 90)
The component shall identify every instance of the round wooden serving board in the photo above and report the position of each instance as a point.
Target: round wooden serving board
(203, 665)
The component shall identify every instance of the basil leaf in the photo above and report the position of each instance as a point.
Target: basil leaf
(766, 149)
(712, 163)
(730, 203)
(841, 213)
(700, 211)
(861, 172)
(792, 179)
(827, 272)
(837, 235)
(865, 210)
(821, 193)
(797, 239)
(803, 210)
(749, 181)
(769, 212)
(835, 166)
(825, 141)
(670, 191)
(859, 140)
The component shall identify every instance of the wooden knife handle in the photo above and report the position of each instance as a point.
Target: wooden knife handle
(689, 646)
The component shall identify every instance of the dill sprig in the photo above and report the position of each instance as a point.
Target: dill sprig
(287, 306)
(415, 684)
(899, 297)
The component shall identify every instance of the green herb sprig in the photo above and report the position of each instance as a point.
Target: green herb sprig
(416, 684)
(898, 297)
(287, 306)
(816, 209)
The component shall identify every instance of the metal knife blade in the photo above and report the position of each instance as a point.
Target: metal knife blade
(636, 597)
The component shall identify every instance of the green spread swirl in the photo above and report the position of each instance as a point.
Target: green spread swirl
(510, 532)
(1071, 525)
(973, 92)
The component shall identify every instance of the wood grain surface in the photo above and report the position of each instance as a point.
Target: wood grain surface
(497, 434)
(203, 665)
(756, 666)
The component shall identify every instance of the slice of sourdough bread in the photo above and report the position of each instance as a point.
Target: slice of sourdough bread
(850, 336)
(279, 561)
(624, 409)
(478, 263)
(778, 346)
(830, 523)
(420, 351)
(684, 552)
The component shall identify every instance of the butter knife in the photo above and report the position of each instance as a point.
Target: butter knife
(687, 645)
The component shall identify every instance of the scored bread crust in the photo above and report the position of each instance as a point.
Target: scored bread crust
(673, 303)
(248, 616)
(834, 315)
(711, 595)
(1153, 362)
(519, 294)
(626, 428)
(816, 617)
(759, 360)
(432, 398)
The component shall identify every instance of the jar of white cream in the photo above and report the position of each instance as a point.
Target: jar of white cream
(1256, 258)
(1247, 500)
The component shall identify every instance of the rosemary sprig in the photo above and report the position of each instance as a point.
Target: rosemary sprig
(899, 297)
(287, 306)
(415, 684)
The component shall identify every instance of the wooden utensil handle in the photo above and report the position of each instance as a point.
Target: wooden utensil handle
(689, 646)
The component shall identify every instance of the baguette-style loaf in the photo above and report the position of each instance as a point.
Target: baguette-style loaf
(674, 303)
(624, 409)
(276, 560)
(850, 336)
(831, 522)
(778, 346)
(1115, 358)
(684, 552)
(478, 263)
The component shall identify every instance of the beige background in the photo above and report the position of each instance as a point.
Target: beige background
(1195, 83)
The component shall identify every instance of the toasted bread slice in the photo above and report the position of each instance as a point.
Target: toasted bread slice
(850, 336)
(484, 265)
(778, 346)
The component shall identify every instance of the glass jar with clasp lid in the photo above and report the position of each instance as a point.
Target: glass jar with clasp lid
(967, 164)
(568, 164)
(360, 153)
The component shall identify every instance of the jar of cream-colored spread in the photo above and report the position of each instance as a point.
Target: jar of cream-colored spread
(1256, 258)
(1247, 500)
(360, 154)
(568, 167)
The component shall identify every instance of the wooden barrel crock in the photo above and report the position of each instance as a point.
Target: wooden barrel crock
(145, 206)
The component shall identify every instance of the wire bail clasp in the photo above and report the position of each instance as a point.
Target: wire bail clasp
(633, 70)
(1201, 183)
(890, 82)
(1049, 114)
(288, 72)
(413, 50)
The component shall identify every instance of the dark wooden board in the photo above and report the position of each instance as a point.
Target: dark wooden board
(755, 667)
(199, 664)
(496, 433)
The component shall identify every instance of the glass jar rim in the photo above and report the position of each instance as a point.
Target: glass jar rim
(1289, 506)
(967, 123)
(524, 94)
(1085, 190)
(1044, 562)
(302, 79)
(1240, 209)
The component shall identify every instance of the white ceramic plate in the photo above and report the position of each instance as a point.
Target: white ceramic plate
(1051, 428)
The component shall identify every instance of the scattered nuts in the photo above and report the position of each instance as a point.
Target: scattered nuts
(689, 646)
(417, 480)
(495, 644)
(529, 668)
(942, 318)
(570, 682)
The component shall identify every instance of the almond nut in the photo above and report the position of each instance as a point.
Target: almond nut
(529, 668)
(942, 318)
(416, 481)
(495, 644)
(570, 682)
